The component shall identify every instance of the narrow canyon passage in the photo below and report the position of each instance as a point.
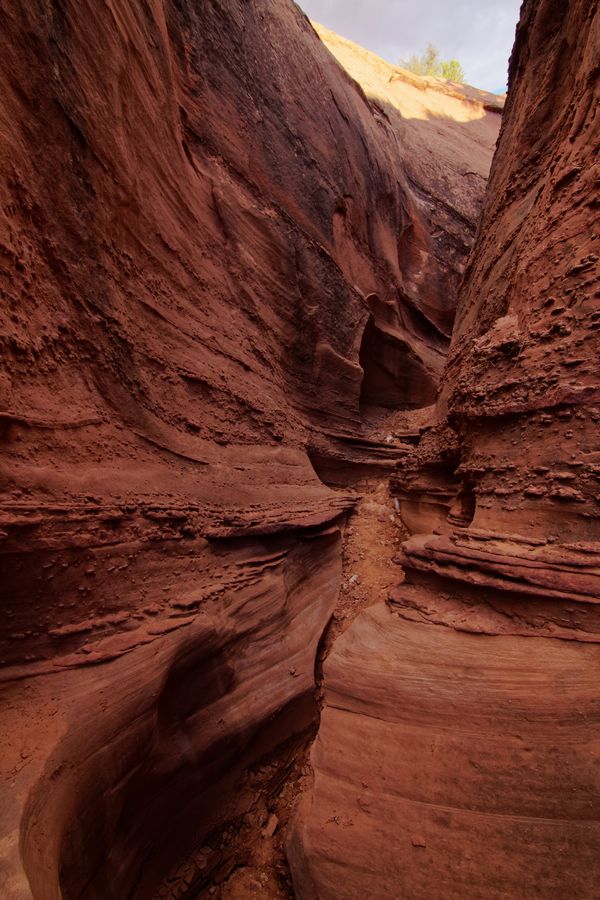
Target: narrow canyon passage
(458, 753)
(248, 856)
(299, 510)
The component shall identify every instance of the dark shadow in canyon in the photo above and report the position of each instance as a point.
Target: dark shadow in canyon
(394, 377)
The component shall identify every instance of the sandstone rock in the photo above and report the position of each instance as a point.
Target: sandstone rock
(448, 135)
(225, 262)
(476, 750)
(202, 215)
(467, 702)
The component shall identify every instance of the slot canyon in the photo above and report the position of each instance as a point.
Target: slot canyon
(300, 424)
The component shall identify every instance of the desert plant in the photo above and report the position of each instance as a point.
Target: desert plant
(452, 70)
(429, 63)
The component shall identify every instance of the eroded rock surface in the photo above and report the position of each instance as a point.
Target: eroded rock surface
(458, 748)
(447, 167)
(451, 764)
(200, 215)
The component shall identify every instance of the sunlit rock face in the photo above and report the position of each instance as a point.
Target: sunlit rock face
(446, 166)
(201, 212)
(457, 754)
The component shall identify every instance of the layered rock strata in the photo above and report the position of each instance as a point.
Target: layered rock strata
(459, 741)
(447, 167)
(201, 216)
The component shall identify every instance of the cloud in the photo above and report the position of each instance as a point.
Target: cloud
(480, 33)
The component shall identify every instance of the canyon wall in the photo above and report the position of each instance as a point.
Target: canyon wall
(459, 741)
(447, 167)
(202, 216)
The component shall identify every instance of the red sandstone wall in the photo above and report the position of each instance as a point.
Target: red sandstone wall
(199, 211)
(458, 748)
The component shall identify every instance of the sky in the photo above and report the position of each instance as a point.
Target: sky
(479, 33)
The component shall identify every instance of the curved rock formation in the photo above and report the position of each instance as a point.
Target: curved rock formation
(451, 764)
(447, 167)
(458, 748)
(201, 212)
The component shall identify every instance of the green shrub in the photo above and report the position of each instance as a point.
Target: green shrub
(429, 63)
